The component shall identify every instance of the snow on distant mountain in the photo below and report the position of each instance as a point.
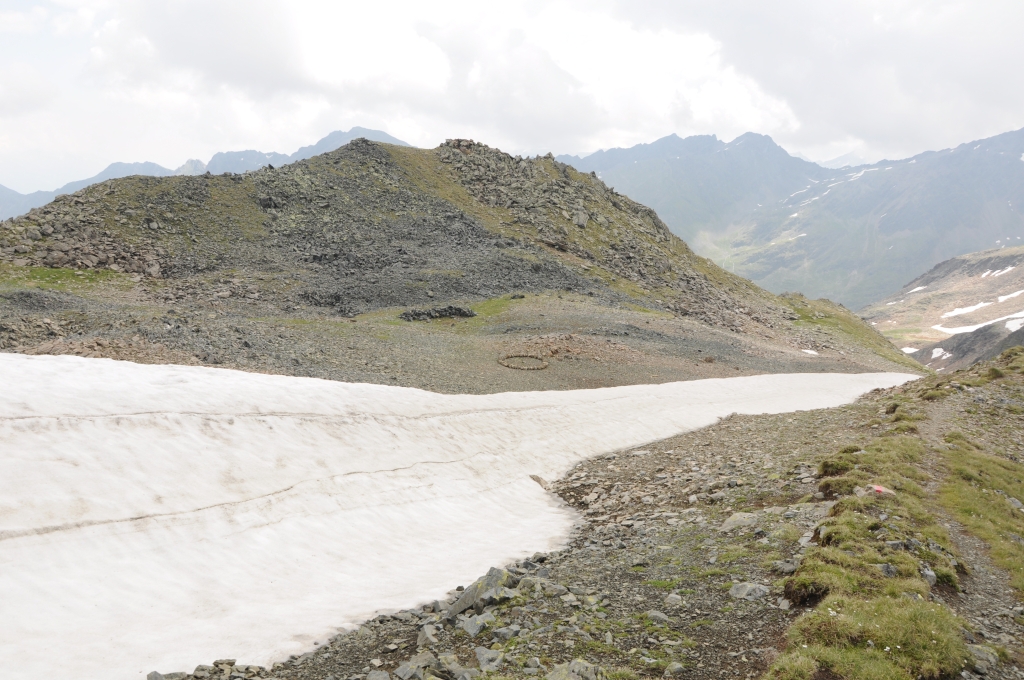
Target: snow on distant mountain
(963, 310)
(854, 235)
(13, 203)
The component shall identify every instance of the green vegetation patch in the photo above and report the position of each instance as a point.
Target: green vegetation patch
(878, 638)
(870, 575)
(60, 279)
(979, 491)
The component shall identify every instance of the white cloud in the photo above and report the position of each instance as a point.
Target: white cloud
(87, 82)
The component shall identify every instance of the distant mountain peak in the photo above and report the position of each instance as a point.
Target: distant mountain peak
(14, 203)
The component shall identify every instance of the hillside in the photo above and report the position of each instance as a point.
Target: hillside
(305, 269)
(963, 310)
(853, 235)
(702, 184)
(13, 203)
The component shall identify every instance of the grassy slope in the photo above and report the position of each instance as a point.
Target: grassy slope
(868, 625)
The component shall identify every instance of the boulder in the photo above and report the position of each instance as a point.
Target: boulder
(474, 625)
(489, 659)
(985, 658)
(577, 669)
(493, 579)
(674, 670)
(739, 520)
(748, 591)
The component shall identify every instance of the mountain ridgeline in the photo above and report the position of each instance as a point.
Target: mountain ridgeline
(854, 235)
(13, 203)
(384, 225)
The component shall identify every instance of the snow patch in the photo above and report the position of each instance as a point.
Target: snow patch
(1014, 325)
(158, 517)
(970, 329)
(1002, 271)
(918, 288)
(809, 351)
(966, 310)
(1004, 298)
(937, 352)
(909, 350)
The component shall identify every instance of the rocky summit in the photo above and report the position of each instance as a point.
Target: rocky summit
(341, 266)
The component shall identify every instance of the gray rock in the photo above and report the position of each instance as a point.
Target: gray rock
(985, 658)
(154, 675)
(929, 576)
(414, 668)
(489, 659)
(427, 636)
(474, 625)
(748, 591)
(715, 497)
(378, 675)
(888, 570)
(577, 669)
(533, 662)
(175, 676)
(739, 520)
(495, 578)
(674, 669)
(786, 566)
(657, 617)
(1016, 503)
(673, 600)
(449, 662)
(507, 632)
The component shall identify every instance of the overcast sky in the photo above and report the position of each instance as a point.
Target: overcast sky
(84, 83)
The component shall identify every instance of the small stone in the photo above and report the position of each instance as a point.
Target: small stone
(657, 617)
(427, 636)
(608, 639)
(929, 576)
(489, 659)
(674, 669)
(737, 520)
(156, 676)
(474, 625)
(783, 603)
(673, 600)
(577, 669)
(378, 675)
(985, 658)
(507, 632)
(748, 591)
(716, 497)
(888, 570)
(785, 566)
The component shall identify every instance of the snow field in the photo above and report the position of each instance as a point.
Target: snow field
(158, 517)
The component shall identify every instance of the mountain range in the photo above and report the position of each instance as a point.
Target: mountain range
(14, 203)
(854, 235)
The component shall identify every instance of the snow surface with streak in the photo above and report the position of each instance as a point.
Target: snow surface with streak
(158, 517)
